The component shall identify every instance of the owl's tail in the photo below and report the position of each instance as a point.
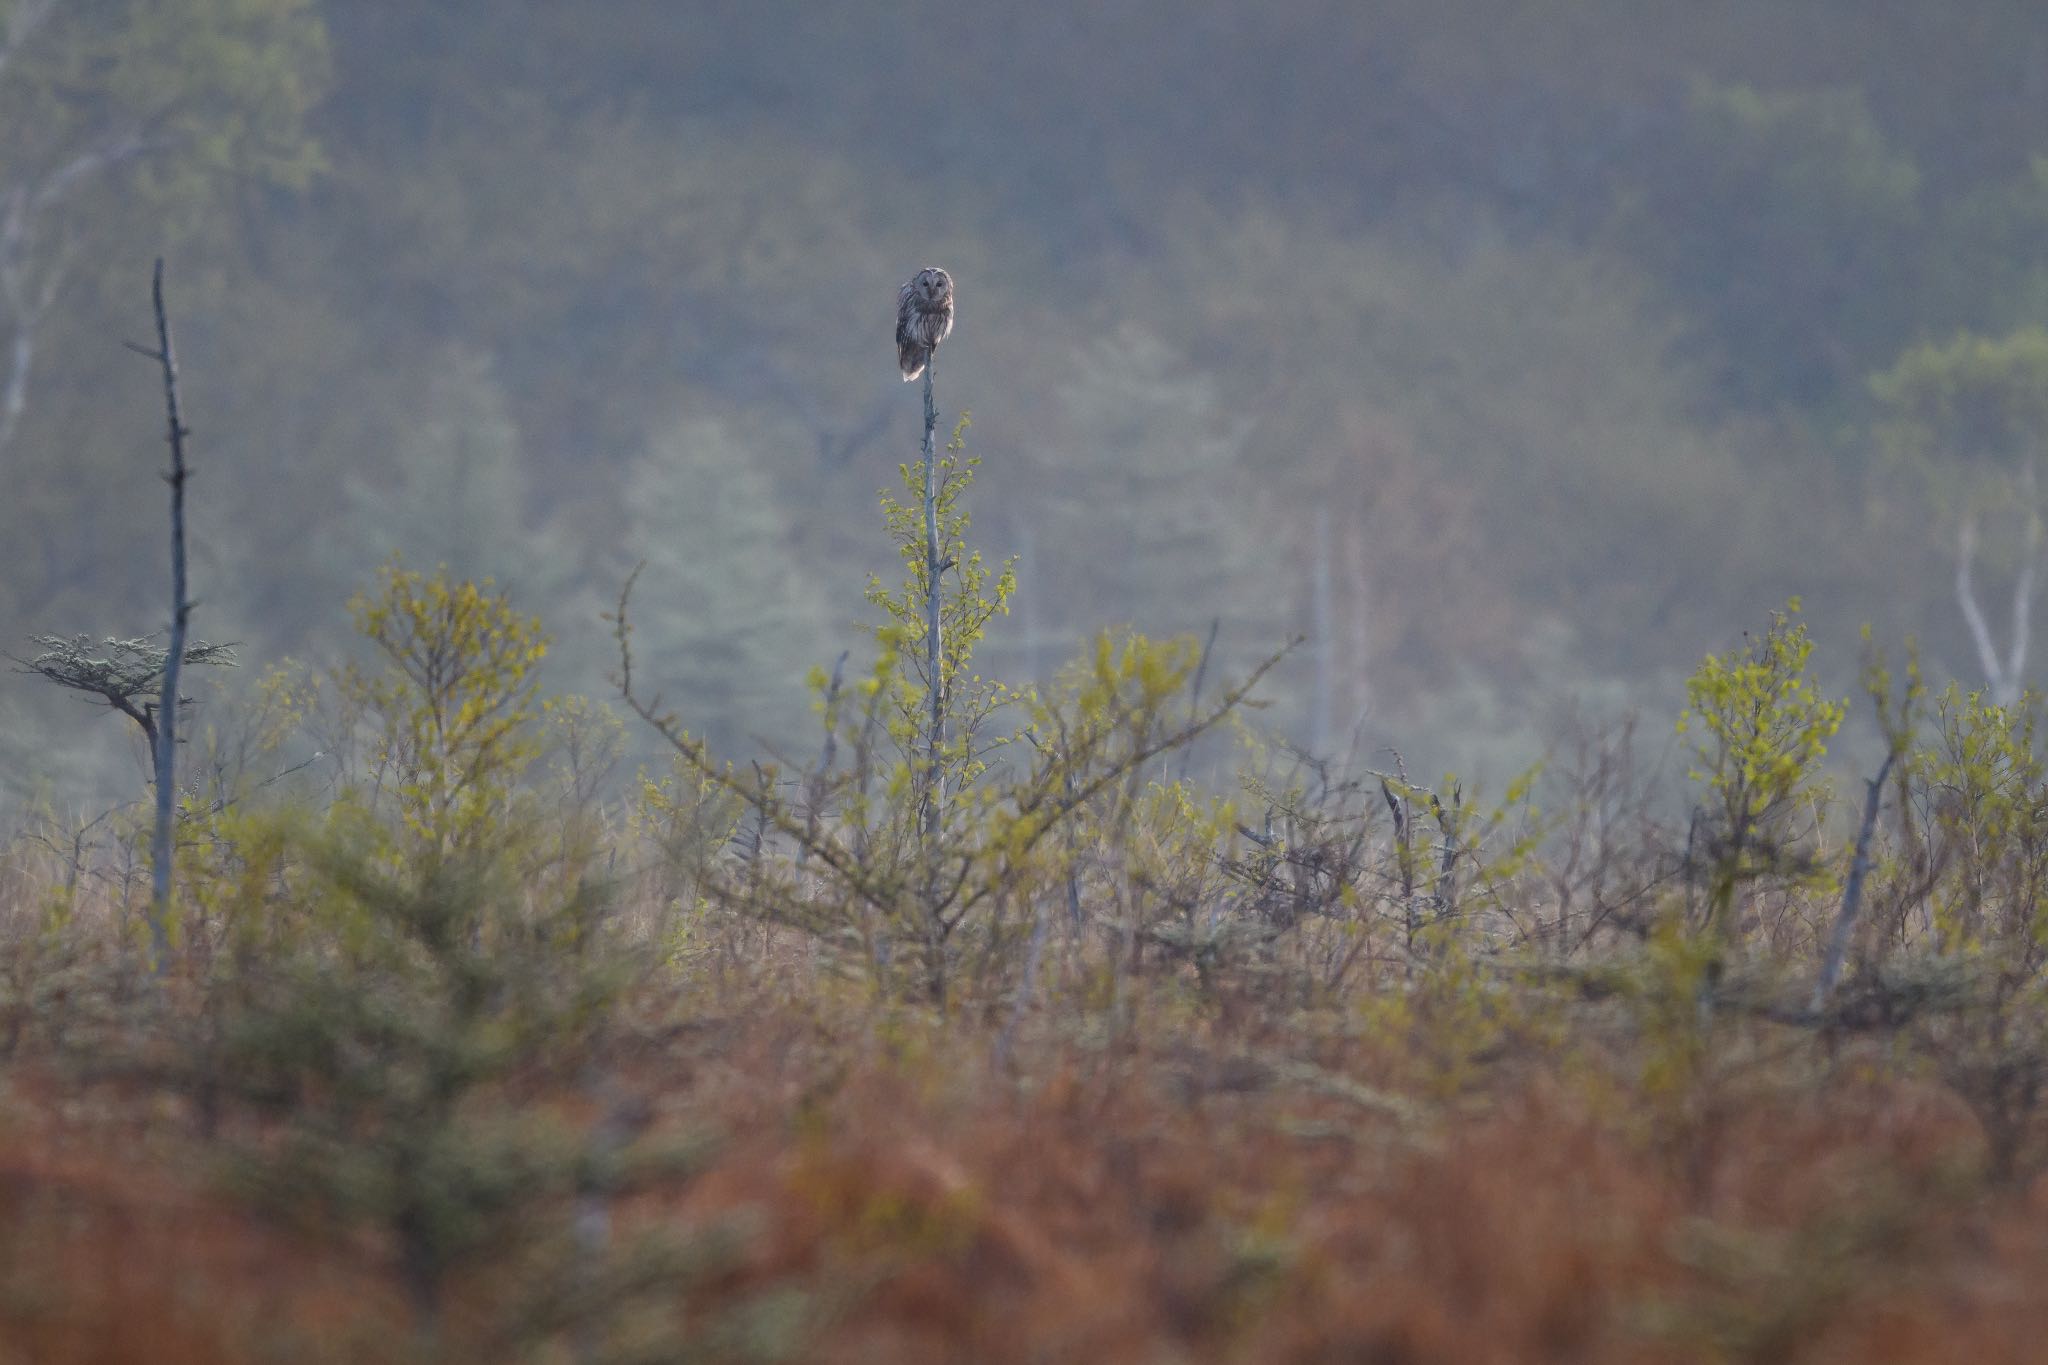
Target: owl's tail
(911, 357)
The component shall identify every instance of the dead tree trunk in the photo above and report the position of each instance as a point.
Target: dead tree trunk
(162, 848)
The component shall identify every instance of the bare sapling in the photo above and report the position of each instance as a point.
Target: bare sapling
(934, 638)
(162, 845)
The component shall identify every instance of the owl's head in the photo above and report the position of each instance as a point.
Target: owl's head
(932, 285)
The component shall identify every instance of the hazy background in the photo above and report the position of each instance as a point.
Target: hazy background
(1539, 334)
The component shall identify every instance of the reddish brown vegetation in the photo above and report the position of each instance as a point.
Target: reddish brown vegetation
(1135, 1204)
(116, 1247)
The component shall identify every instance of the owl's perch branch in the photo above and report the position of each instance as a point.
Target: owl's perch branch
(935, 564)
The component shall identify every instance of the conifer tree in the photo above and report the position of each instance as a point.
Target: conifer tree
(728, 626)
(456, 492)
(1167, 514)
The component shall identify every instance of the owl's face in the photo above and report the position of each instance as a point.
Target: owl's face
(933, 286)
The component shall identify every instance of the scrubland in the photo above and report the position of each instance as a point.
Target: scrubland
(1105, 1028)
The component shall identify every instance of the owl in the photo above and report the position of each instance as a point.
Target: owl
(924, 316)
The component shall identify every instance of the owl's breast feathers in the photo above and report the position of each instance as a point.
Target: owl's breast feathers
(919, 329)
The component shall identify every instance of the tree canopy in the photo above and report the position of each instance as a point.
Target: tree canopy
(1566, 316)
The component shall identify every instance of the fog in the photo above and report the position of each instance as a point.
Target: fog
(1515, 355)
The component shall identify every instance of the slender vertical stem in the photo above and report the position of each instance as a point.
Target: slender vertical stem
(935, 734)
(934, 643)
(161, 850)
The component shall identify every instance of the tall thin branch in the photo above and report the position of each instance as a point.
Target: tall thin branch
(934, 643)
(936, 928)
(162, 846)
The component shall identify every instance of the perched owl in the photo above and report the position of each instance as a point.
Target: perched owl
(924, 315)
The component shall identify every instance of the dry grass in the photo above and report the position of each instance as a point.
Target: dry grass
(1194, 1173)
(1142, 1202)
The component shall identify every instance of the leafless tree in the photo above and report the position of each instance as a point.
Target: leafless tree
(123, 673)
(161, 844)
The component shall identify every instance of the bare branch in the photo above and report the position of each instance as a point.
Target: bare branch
(181, 613)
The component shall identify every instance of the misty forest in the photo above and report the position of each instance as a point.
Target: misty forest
(1413, 741)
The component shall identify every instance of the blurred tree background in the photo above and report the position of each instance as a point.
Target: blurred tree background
(1520, 350)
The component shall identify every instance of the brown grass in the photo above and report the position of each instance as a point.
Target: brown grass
(1200, 1199)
